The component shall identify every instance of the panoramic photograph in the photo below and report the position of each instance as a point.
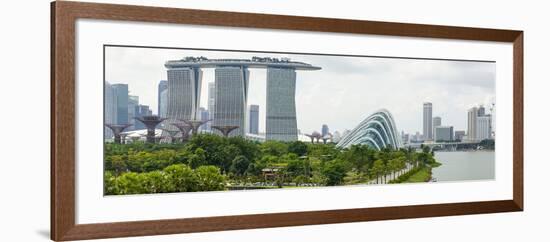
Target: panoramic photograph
(196, 120)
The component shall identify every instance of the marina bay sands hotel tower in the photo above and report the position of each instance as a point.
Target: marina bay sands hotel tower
(231, 92)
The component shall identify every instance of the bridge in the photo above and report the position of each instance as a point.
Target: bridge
(466, 144)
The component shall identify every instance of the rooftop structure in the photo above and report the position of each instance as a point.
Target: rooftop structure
(254, 62)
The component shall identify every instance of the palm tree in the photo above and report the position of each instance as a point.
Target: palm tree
(377, 169)
(393, 167)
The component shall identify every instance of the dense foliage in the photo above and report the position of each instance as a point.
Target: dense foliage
(210, 163)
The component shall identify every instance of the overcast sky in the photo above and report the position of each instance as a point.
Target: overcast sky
(342, 94)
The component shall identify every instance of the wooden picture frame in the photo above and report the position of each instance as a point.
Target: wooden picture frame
(63, 17)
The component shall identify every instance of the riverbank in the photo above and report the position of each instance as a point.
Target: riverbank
(417, 174)
(423, 175)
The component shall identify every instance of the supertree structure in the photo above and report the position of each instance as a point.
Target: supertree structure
(117, 129)
(225, 129)
(151, 122)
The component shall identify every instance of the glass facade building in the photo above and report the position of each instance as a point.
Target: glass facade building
(281, 105)
(436, 122)
(133, 102)
(211, 103)
(163, 108)
(231, 98)
(377, 131)
(184, 85)
(227, 96)
(163, 85)
(110, 109)
(443, 133)
(121, 98)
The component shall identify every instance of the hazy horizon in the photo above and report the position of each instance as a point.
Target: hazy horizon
(344, 92)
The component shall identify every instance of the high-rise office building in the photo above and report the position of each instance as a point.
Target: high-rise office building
(324, 130)
(281, 105)
(163, 86)
(483, 127)
(121, 95)
(443, 133)
(211, 103)
(436, 121)
(133, 102)
(110, 109)
(184, 85)
(472, 123)
(427, 125)
(231, 97)
(163, 107)
(254, 119)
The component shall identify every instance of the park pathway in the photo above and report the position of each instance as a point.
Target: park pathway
(389, 177)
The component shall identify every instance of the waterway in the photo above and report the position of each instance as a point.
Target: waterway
(464, 165)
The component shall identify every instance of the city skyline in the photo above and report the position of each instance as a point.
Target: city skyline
(453, 87)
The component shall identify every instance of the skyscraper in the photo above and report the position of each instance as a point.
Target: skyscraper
(110, 109)
(133, 102)
(184, 85)
(472, 123)
(483, 127)
(121, 98)
(163, 107)
(163, 85)
(231, 84)
(281, 105)
(324, 130)
(254, 119)
(231, 74)
(211, 103)
(427, 126)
